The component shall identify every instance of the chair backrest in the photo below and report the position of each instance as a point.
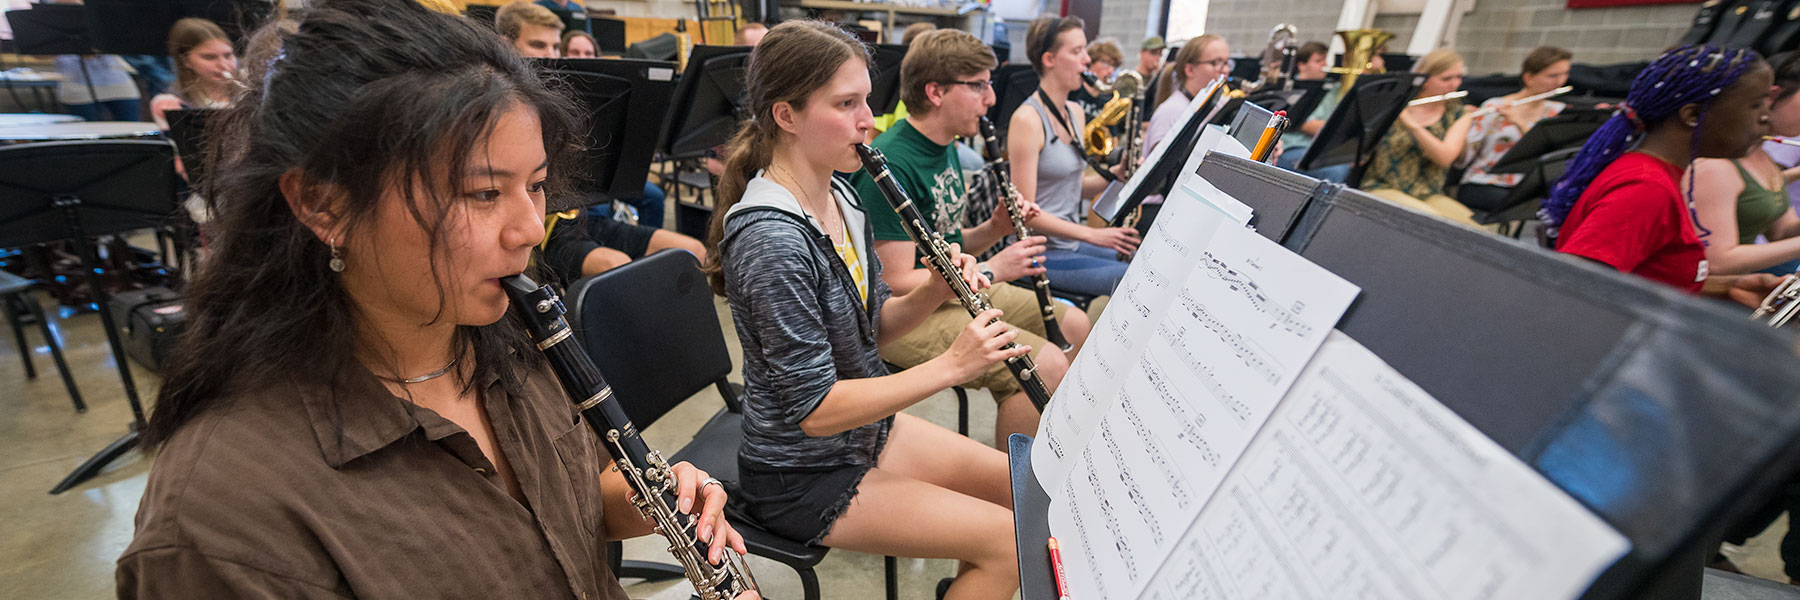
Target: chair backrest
(652, 329)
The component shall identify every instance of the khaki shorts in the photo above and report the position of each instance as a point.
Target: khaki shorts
(932, 337)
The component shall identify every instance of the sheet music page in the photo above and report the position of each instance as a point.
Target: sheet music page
(1122, 333)
(1219, 357)
(1189, 181)
(1364, 486)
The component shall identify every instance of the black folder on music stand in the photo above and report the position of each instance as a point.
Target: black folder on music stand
(1158, 177)
(187, 128)
(884, 77)
(1569, 129)
(622, 100)
(1298, 102)
(54, 29)
(71, 191)
(1523, 201)
(709, 101)
(1362, 117)
(1013, 85)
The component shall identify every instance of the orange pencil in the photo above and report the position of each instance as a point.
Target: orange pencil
(1062, 581)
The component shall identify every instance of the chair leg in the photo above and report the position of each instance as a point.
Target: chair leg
(11, 306)
(56, 353)
(962, 410)
(893, 578)
(809, 583)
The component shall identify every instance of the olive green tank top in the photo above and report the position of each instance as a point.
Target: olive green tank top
(1757, 207)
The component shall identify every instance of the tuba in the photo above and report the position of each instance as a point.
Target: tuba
(1360, 46)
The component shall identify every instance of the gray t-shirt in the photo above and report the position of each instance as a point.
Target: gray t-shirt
(1058, 176)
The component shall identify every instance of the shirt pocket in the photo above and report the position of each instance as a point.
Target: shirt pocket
(583, 462)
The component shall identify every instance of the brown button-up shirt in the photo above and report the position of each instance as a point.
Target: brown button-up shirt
(301, 493)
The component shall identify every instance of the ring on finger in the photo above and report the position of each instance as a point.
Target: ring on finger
(712, 481)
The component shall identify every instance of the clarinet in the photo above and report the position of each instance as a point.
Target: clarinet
(937, 254)
(644, 469)
(1009, 196)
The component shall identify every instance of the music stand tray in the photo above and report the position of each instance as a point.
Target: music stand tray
(1570, 129)
(623, 100)
(73, 190)
(708, 103)
(1362, 117)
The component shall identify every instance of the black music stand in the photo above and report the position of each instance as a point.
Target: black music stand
(1363, 116)
(55, 29)
(623, 100)
(74, 190)
(884, 77)
(237, 17)
(609, 34)
(187, 128)
(1522, 202)
(1158, 177)
(142, 26)
(1298, 102)
(1570, 129)
(709, 101)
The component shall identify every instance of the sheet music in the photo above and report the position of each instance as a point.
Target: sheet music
(1121, 335)
(1217, 359)
(1188, 180)
(1363, 486)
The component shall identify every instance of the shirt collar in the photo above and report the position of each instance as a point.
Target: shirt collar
(358, 416)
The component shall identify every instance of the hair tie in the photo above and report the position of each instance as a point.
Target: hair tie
(1631, 114)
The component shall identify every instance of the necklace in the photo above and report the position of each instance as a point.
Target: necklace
(830, 231)
(426, 377)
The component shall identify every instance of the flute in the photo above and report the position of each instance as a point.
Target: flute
(936, 254)
(1266, 144)
(1009, 195)
(1438, 98)
(1528, 99)
(1781, 140)
(644, 469)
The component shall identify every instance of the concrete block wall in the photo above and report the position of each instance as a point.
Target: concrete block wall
(1126, 21)
(1494, 37)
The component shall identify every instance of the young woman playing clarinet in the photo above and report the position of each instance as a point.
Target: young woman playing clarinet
(1622, 202)
(827, 458)
(352, 413)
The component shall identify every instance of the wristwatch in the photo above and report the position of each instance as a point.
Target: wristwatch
(982, 267)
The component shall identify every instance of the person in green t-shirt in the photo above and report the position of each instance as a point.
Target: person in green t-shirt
(944, 82)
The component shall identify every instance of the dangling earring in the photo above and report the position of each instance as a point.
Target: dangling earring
(337, 255)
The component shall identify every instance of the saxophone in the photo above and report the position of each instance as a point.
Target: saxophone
(1780, 305)
(644, 469)
(1009, 196)
(936, 254)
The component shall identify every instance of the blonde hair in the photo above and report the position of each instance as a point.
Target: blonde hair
(794, 60)
(511, 19)
(1438, 61)
(1175, 73)
(939, 57)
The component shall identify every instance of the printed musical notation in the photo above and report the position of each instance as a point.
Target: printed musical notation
(1254, 358)
(1286, 318)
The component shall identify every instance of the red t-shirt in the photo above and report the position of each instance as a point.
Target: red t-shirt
(1635, 218)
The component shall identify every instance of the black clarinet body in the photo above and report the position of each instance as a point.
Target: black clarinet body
(1009, 195)
(644, 469)
(936, 253)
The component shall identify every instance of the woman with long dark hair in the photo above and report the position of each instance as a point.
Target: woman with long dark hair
(828, 457)
(1621, 202)
(352, 412)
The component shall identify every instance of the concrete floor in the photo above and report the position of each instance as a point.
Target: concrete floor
(64, 546)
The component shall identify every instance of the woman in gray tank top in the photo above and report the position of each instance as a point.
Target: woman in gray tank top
(1044, 144)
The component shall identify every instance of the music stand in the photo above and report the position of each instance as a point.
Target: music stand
(1298, 102)
(1570, 129)
(1539, 178)
(1363, 116)
(74, 190)
(55, 29)
(237, 17)
(623, 100)
(187, 128)
(130, 26)
(884, 77)
(709, 101)
(609, 34)
(1160, 175)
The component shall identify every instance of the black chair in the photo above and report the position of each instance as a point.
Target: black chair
(19, 304)
(661, 308)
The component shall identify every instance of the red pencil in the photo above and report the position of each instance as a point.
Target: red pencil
(1062, 581)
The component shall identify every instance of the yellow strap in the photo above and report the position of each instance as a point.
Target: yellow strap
(550, 222)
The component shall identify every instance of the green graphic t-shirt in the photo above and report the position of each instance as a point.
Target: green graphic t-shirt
(931, 175)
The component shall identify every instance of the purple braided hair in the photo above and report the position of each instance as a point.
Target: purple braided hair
(1686, 75)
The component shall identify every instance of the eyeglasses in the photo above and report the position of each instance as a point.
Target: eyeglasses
(1220, 63)
(978, 87)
